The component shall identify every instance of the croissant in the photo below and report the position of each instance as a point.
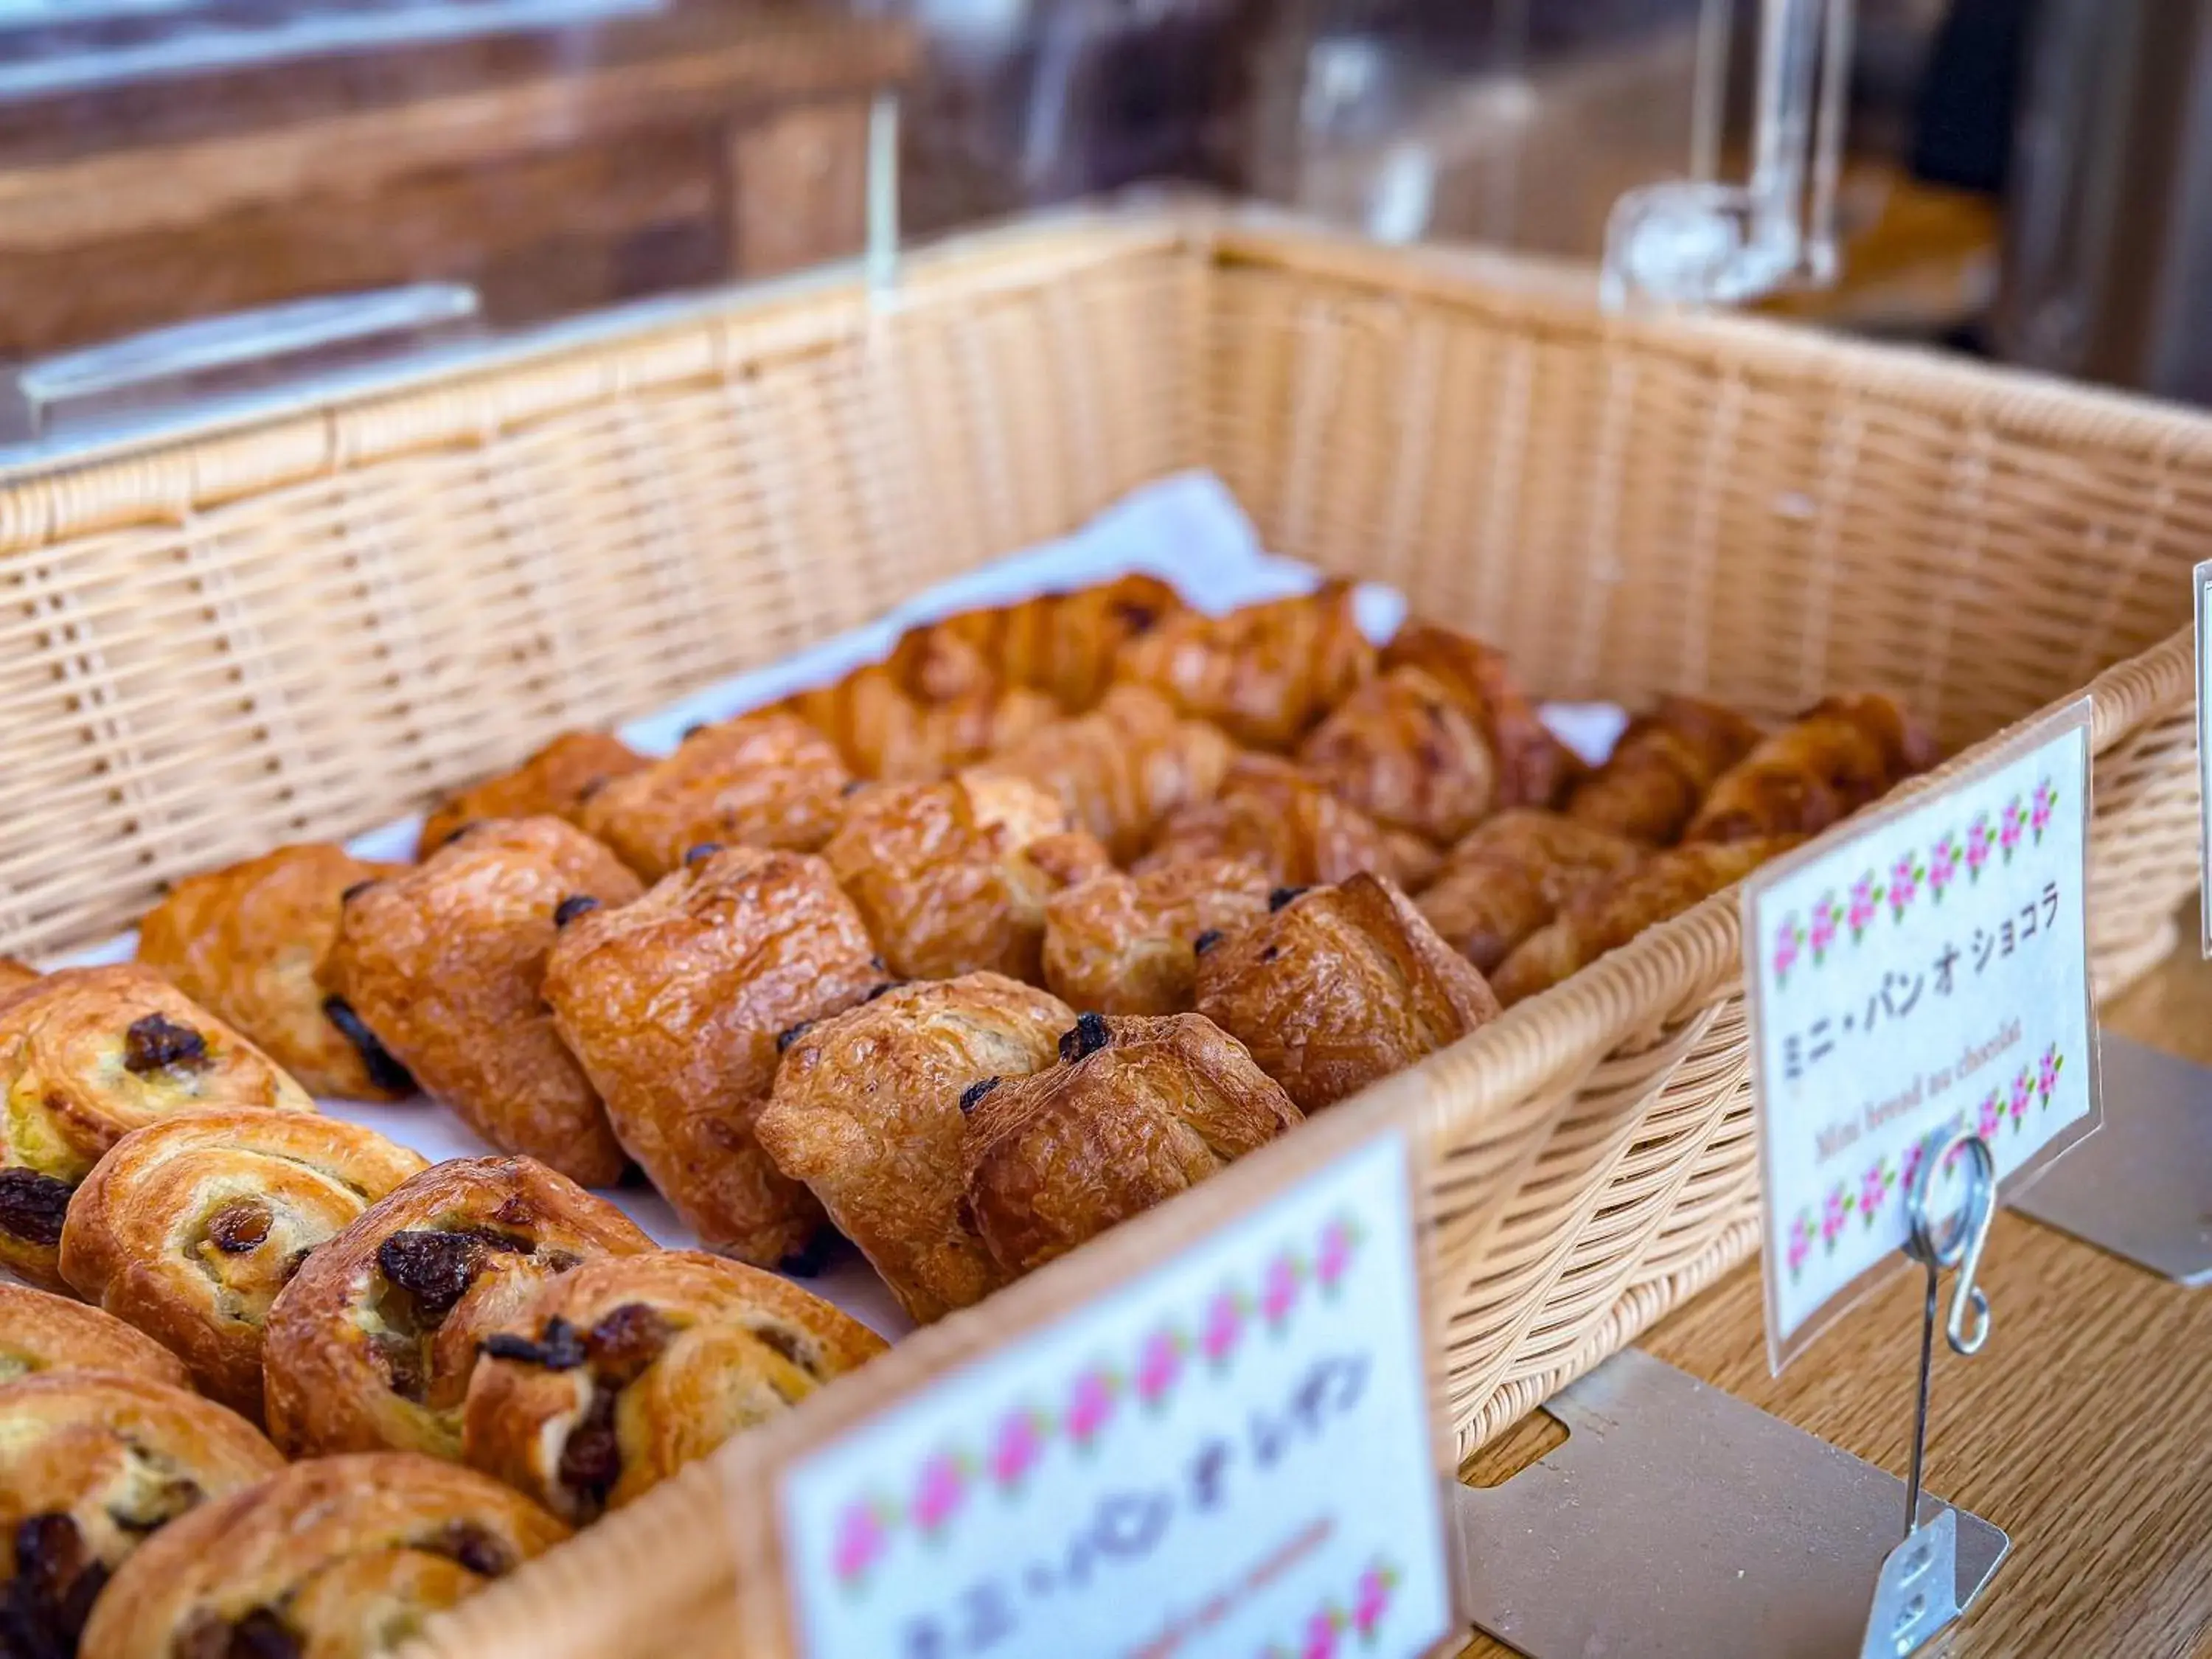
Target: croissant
(1064, 645)
(1403, 751)
(1125, 945)
(41, 1332)
(1840, 754)
(1649, 786)
(555, 781)
(1271, 814)
(1264, 674)
(1534, 768)
(1511, 876)
(14, 974)
(1606, 916)
(884, 732)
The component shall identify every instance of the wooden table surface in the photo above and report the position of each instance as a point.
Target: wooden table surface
(2084, 1429)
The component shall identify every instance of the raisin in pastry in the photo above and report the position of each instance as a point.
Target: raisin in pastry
(1271, 814)
(1649, 788)
(1134, 1111)
(869, 1112)
(42, 1332)
(1511, 876)
(248, 941)
(86, 1055)
(554, 783)
(1266, 673)
(445, 964)
(1129, 944)
(621, 1372)
(674, 1004)
(189, 1227)
(371, 1344)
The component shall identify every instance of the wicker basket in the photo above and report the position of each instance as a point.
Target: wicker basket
(305, 623)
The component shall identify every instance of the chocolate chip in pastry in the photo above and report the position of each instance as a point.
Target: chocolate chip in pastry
(674, 1005)
(763, 780)
(1271, 814)
(1833, 759)
(1267, 673)
(1534, 768)
(1124, 944)
(1135, 1111)
(1510, 877)
(623, 1371)
(869, 1112)
(340, 1557)
(554, 783)
(951, 878)
(1403, 751)
(42, 1332)
(246, 942)
(444, 963)
(15, 974)
(1339, 987)
(188, 1228)
(1649, 786)
(87, 1054)
(92, 1465)
(371, 1344)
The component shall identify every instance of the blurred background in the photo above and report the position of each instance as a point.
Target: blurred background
(2026, 179)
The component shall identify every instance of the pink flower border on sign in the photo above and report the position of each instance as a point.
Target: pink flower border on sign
(1330, 1628)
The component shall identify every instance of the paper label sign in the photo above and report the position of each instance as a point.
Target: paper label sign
(2205, 740)
(1925, 973)
(1230, 1455)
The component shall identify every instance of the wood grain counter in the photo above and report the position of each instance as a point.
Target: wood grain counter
(2084, 1429)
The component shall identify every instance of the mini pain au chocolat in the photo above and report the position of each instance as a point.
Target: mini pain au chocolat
(621, 1372)
(1649, 786)
(444, 963)
(869, 1110)
(1836, 757)
(1265, 673)
(247, 943)
(1128, 945)
(1271, 814)
(87, 1054)
(1533, 767)
(1339, 987)
(675, 1004)
(1402, 751)
(1511, 876)
(554, 783)
(1064, 645)
(1135, 1111)
(372, 1343)
(338, 1558)
(190, 1227)
(42, 1332)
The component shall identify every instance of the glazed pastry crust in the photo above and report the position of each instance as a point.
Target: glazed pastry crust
(1267, 673)
(1065, 644)
(246, 943)
(883, 731)
(41, 1332)
(674, 1005)
(1271, 814)
(763, 780)
(1340, 987)
(70, 1091)
(554, 783)
(1135, 1111)
(1534, 768)
(1404, 751)
(1125, 945)
(445, 964)
(341, 1558)
(356, 1359)
(1510, 878)
(951, 878)
(190, 1227)
(624, 1370)
(866, 1111)
(1833, 759)
(1649, 786)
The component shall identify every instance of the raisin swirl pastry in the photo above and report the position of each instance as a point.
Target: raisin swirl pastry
(189, 1227)
(87, 1054)
(554, 783)
(372, 1343)
(1511, 876)
(342, 1557)
(41, 1332)
(674, 1004)
(446, 962)
(1265, 673)
(624, 1370)
(92, 1463)
(1128, 945)
(1136, 1111)
(1339, 987)
(247, 942)
(870, 1111)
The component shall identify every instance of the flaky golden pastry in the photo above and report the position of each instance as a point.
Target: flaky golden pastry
(87, 1054)
(42, 1332)
(761, 779)
(951, 878)
(1064, 645)
(1267, 673)
(1833, 759)
(1401, 749)
(189, 1227)
(554, 783)
(867, 1112)
(883, 731)
(1511, 876)
(1339, 987)
(1649, 787)
(624, 1370)
(1534, 768)
(92, 1463)
(246, 943)
(1606, 916)
(674, 1004)
(1271, 814)
(445, 964)
(1135, 1111)
(342, 1557)
(15, 974)
(372, 1343)
(1127, 944)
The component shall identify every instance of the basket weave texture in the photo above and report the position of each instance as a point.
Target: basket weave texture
(306, 625)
